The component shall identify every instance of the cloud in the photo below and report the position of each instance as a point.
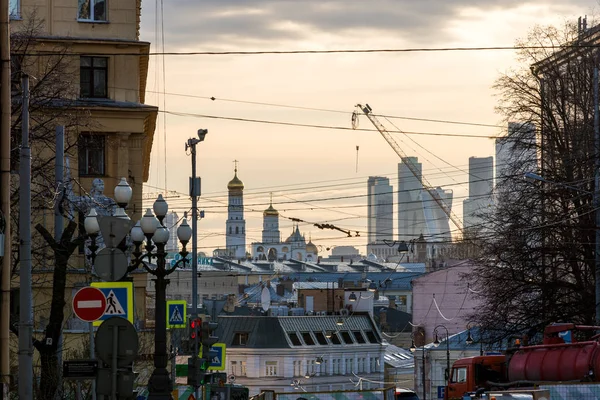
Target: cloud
(222, 24)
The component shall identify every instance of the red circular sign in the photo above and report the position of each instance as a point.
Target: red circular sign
(89, 304)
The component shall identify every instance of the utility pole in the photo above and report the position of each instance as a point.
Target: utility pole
(597, 194)
(194, 194)
(26, 312)
(5, 118)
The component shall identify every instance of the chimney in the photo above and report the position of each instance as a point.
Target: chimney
(383, 319)
(392, 303)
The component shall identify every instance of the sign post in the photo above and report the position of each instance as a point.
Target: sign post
(89, 304)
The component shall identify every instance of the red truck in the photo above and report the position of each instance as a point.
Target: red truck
(551, 362)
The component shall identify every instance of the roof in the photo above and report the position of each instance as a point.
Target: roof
(297, 331)
(398, 357)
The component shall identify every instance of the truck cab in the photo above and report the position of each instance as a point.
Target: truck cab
(472, 373)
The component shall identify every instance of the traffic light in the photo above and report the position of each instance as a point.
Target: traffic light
(208, 339)
(195, 332)
(197, 375)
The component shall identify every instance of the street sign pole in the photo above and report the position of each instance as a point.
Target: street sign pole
(114, 362)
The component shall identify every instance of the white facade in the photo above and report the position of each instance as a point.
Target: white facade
(380, 210)
(171, 222)
(297, 349)
(507, 153)
(479, 202)
(410, 213)
(418, 212)
(235, 227)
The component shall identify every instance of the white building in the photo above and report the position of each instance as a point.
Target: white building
(479, 202)
(518, 146)
(171, 222)
(272, 248)
(380, 210)
(270, 353)
(235, 227)
(418, 212)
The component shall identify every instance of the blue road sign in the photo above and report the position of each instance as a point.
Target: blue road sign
(216, 356)
(119, 300)
(176, 313)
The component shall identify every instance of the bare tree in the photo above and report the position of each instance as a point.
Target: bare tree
(536, 263)
(52, 95)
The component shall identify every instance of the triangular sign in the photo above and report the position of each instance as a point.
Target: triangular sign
(114, 229)
(113, 306)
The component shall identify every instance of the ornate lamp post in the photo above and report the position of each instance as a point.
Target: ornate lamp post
(150, 234)
(413, 349)
(436, 343)
(470, 340)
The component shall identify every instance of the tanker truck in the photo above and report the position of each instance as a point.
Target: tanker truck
(553, 361)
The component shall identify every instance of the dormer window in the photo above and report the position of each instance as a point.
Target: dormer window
(92, 10)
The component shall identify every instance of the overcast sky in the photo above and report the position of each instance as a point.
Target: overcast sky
(316, 174)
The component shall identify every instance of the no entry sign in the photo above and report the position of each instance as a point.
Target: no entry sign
(89, 304)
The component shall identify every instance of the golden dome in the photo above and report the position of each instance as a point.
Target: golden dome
(311, 248)
(235, 183)
(270, 212)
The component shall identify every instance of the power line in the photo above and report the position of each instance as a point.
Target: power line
(327, 110)
(183, 114)
(334, 51)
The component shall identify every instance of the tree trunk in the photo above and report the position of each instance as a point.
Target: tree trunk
(48, 347)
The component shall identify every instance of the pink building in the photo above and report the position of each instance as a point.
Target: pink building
(443, 297)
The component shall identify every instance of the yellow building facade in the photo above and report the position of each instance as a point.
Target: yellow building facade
(109, 129)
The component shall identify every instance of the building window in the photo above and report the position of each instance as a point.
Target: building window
(349, 363)
(234, 367)
(295, 339)
(93, 77)
(336, 366)
(91, 149)
(92, 10)
(240, 339)
(297, 368)
(321, 338)
(243, 368)
(361, 365)
(311, 367)
(271, 368)
(371, 336)
(374, 364)
(323, 368)
(358, 336)
(347, 338)
(14, 9)
(308, 339)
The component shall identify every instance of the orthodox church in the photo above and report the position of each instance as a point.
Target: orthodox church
(235, 227)
(271, 248)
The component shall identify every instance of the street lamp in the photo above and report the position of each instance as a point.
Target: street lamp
(596, 204)
(436, 343)
(469, 341)
(412, 350)
(152, 235)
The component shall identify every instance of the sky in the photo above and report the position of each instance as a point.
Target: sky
(313, 171)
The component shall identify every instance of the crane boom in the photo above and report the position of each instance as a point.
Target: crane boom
(368, 111)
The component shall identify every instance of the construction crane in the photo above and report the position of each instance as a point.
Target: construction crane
(368, 111)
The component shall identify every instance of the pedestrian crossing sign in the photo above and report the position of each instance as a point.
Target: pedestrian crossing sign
(119, 300)
(176, 314)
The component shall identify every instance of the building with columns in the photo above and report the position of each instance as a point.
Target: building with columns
(270, 353)
(235, 237)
